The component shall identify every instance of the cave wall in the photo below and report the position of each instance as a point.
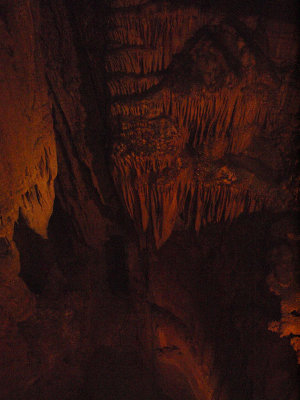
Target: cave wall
(148, 196)
(28, 151)
(197, 100)
(27, 173)
(222, 317)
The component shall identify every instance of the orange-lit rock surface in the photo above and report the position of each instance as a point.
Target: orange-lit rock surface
(195, 95)
(28, 152)
(283, 282)
(148, 200)
(28, 168)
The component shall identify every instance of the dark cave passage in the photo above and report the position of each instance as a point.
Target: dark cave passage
(117, 265)
(36, 256)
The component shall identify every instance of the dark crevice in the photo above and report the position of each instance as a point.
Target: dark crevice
(36, 256)
(117, 266)
(262, 60)
(65, 140)
(95, 98)
(62, 232)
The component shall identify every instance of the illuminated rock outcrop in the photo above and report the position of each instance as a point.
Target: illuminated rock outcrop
(28, 168)
(220, 92)
(283, 282)
(28, 153)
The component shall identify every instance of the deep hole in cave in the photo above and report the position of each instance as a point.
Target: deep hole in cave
(117, 267)
(69, 248)
(36, 256)
(62, 234)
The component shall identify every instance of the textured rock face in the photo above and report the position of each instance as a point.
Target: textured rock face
(161, 263)
(283, 282)
(28, 168)
(195, 97)
(28, 152)
(225, 297)
(75, 87)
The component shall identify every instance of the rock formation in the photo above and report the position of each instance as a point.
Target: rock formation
(148, 200)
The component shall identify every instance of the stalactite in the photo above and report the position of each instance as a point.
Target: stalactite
(177, 80)
(129, 85)
(139, 61)
(157, 28)
(214, 204)
(156, 194)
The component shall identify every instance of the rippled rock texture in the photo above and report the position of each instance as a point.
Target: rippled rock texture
(215, 96)
(148, 200)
